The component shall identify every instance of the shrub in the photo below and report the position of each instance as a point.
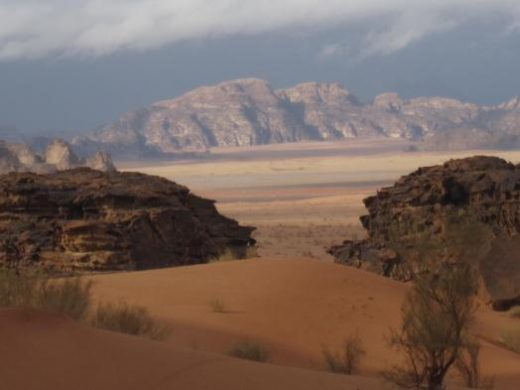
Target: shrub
(249, 350)
(70, 297)
(348, 359)
(129, 319)
(34, 290)
(18, 289)
(218, 305)
(437, 315)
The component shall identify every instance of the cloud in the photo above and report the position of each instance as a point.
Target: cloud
(40, 28)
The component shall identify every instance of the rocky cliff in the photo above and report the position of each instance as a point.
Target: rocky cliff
(83, 219)
(250, 112)
(19, 157)
(465, 210)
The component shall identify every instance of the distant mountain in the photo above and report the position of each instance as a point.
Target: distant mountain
(250, 112)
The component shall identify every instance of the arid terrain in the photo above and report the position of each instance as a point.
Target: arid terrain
(301, 197)
(292, 299)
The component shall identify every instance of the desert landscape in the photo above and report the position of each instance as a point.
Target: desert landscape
(259, 195)
(289, 298)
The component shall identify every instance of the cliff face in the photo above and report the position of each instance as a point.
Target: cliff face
(464, 210)
(249, 112)
(58, 155)
(89, 220)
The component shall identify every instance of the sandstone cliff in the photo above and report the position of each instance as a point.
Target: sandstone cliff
(465, 210)
(83, 219)
(250, 112)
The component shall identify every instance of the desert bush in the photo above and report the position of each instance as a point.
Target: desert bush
(35, 290)
(217, 305)
(72, 297)
(348, 359)
(69, 296)
(437, 315)
(129, 319)
(18, 289)
(511, 340)
(249, 350)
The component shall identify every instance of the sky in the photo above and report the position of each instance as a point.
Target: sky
(70, 66)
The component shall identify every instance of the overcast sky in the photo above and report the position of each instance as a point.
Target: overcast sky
(72, 65)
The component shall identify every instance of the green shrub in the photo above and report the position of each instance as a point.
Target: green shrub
(249, 350)
(348, 359)
(129, 319)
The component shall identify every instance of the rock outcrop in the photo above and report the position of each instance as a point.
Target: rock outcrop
(464, 210)
(59, 155)
(83, 219)
(250, 112)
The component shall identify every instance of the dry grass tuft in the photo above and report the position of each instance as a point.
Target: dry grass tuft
(348, 359)
(35, 290)
(249, 350)
(218, 305)
(128, 319)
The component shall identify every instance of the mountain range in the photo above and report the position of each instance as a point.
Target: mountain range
(250, 112)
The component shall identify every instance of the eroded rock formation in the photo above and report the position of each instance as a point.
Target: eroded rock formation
(83, 219)
(19, 157)
(464, 210)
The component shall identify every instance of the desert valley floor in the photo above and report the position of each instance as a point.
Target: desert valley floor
(292, 298)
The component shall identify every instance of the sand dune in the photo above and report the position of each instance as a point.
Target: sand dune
(44, 352)
(293, 307)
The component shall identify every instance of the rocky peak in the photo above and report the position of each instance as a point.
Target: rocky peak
(513, 104)
(240, 90)
(389, 101)
(319, 93)
(8, 160)
(60, 154)
(101, 161)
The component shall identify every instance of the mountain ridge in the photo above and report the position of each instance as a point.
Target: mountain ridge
(250, 111)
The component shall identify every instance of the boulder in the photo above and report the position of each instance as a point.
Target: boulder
(83, 219)
(463, 210)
